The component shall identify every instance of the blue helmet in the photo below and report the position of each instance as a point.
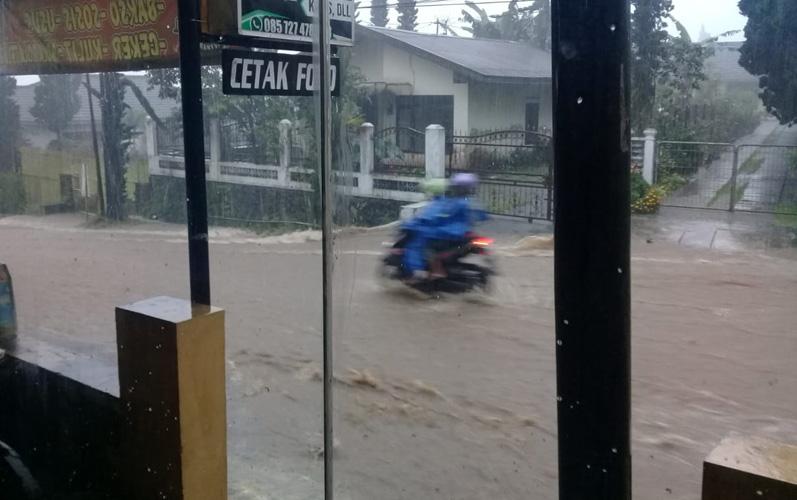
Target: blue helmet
(464, 183)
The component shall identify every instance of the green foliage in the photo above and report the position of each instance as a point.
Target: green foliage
(770, 51)
(649, 50)
(56, 103)
(639, 187)
(12, 193)
(706, 114)
(407, 14)
(379, 13)
(670, 181)
(528, 23)
(10, 137)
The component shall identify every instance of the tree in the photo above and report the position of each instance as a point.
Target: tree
(649, 40)
(117, 137)
(10, 160)
(56, 102)
(379, 13)
(408, 15)
(531, 24)
(770, 51)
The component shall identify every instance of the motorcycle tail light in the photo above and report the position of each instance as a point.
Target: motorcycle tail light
(482, 242)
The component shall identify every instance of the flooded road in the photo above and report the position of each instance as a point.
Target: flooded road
(439, 399)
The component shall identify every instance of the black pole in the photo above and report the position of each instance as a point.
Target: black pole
(194, 144)
(322, 60)
(592, 251)
(100, 196)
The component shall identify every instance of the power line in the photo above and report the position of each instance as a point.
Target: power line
(438, 3)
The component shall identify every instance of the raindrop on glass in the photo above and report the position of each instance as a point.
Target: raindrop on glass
(580, 100)
(614, 450)
(558, 342)
(612, 28)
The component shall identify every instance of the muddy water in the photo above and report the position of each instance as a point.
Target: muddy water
(452, 398)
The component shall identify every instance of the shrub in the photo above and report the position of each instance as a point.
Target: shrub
(639, 186)
(12, 194)
(650, 202)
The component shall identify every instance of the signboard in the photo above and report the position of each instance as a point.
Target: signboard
(57, 36)
(292, 20)
(271, 73)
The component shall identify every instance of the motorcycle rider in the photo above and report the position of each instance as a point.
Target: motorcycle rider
(443, 224)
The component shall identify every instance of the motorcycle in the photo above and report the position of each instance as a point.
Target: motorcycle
(461, 273)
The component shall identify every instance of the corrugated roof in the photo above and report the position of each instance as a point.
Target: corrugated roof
(25, 98)
(487, 58)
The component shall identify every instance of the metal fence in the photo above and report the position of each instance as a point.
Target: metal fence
(399, 150)
(766, 179)
(720, 176)
(696, 173)
(170, 138)
(515, 167)
(250, 143)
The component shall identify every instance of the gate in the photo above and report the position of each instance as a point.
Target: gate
(720, 176)
(515, 168)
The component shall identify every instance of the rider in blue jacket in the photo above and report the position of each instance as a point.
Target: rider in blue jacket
(446, 221)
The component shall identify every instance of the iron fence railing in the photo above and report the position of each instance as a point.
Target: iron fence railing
(721, 176)
(399, 150)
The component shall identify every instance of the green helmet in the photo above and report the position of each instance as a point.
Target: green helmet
(434, 187)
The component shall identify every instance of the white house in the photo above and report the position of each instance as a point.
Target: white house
(467, 85)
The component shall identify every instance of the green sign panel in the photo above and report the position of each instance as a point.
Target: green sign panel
(293, 20)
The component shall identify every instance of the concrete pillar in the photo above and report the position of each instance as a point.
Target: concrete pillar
(649, 155)
(215, 149)
(173, 401)
(365, 183)
(151, 138)
(285, 151)
(435, 151)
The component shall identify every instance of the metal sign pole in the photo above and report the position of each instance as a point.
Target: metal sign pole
(323, 63)
(194, 145)
(592, 247)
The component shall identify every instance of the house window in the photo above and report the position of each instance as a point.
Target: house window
(532, 115)
(420, 111)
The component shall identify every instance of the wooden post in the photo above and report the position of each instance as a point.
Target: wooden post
(172, 391)
(744, 468)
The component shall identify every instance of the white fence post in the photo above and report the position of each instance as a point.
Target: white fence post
(285, 151)
(649, 155)
(365, 181)
(214, 170)
(151, 138)
(435, 149)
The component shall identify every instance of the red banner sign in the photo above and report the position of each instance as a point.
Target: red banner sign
(54, 36)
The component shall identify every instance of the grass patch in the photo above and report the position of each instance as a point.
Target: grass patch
(751, 165)
(725, 190)
(786, 215)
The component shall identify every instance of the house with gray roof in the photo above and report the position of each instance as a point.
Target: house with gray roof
(79, 129)
(467, 85)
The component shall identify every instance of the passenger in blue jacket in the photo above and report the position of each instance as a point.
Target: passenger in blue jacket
(444, 223)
